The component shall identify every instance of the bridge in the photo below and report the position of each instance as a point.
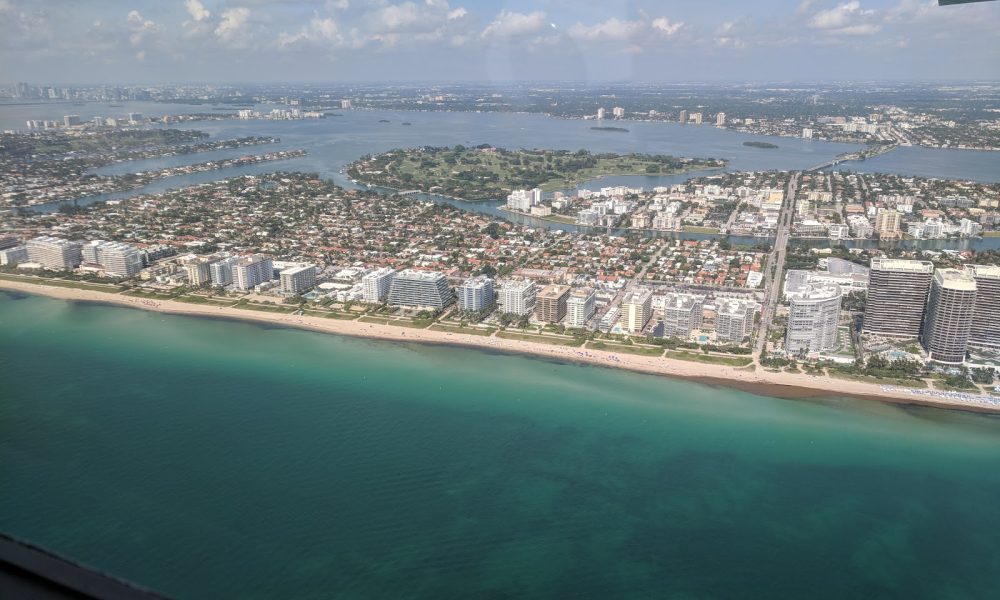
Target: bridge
(826, 165)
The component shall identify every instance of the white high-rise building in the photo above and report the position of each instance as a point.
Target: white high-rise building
(476, 294)
(221, 271)
(116, 258)
(734, 320)
(54, 253)
(375, 285)
(682, 314)
(720, 119)
(637, 308)
(517, 297)
(251, 271)
(420, 289)
(813, 318)
(618, 112)
(579, 307)
(520, 200)
(600, 113)
(807, 133)
(296, 280)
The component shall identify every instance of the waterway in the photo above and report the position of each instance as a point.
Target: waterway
(218, 459)
(335, 141)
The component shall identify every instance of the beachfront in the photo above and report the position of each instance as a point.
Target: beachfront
(779, 384)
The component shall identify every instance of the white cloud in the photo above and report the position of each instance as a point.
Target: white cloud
(515, 24)
(232, 25)
(458, 13)
(611, 30)
(197, 10)
(664, 26)
(847, 18)
(317, 31)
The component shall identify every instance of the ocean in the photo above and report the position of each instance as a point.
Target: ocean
(219, 459)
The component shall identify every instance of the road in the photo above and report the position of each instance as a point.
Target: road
(776, 265)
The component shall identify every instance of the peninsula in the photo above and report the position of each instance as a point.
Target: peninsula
(489, 173)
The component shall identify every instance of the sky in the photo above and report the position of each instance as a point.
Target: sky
(232, 41)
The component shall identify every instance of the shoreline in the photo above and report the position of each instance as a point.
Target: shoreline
(780, 385)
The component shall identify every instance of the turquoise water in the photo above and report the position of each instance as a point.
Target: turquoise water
(217, 459)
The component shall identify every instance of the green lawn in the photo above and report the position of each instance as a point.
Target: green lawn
(541, 339)
(328, 314)
(195, 299)
(626, 349)
(911, 383)
(272, 308)
(731, 361)
(65, 283)
(392, 322)
(466, 330)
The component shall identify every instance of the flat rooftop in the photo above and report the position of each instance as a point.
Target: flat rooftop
(554, 291)
(903, 266)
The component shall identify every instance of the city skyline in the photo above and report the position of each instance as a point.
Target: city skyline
(314, 41)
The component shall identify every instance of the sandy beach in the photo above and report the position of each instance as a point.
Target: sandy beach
(762, 382)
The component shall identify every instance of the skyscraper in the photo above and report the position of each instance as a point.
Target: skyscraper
(985, 331)
(720, 119)
(948, 321)
(683, 118)
(897, 296)
(813, 317)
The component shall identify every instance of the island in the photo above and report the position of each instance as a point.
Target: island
(767, 145)
(489, 173)
(608, 128)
